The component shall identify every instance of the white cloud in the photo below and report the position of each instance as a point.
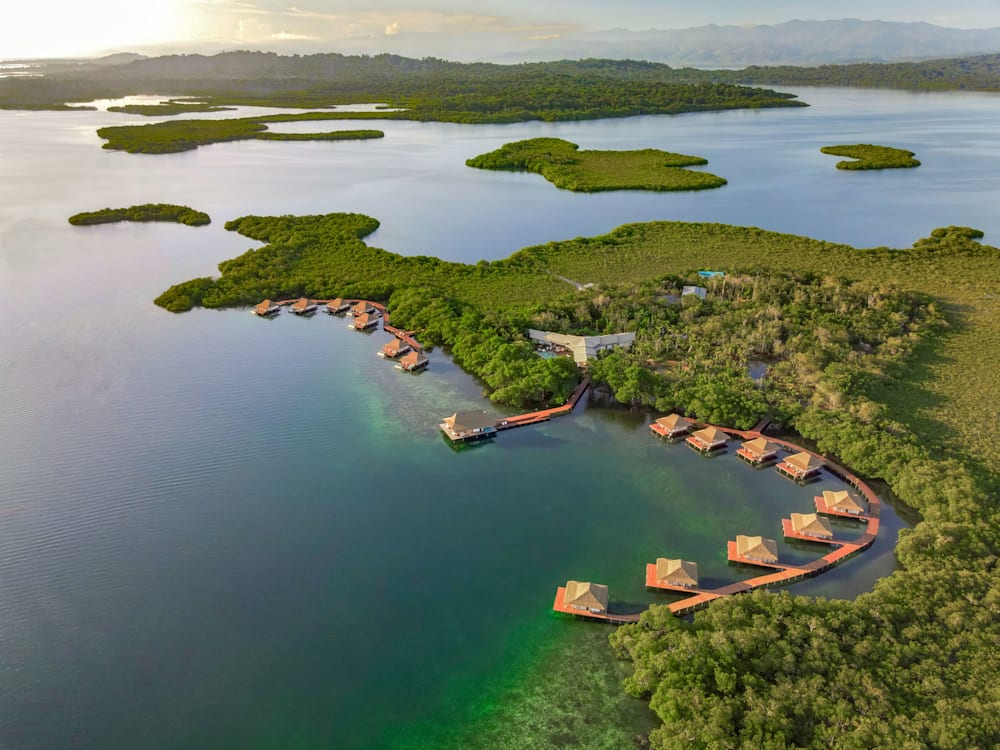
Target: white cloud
(391, 29)
(542, 37)
(285, 36)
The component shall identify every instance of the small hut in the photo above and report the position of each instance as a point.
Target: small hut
(801, 466)
(337, 306)
(810, 524)
(363, 307)
(583, 595)
(303, 306)
(467, 426)
(363, 322)
(757, 548)
(708, 440)
(267, 307)
(412, 361)
(395, 348)
(677, 572)
(758, 451)
(671, 426)
(841, 501)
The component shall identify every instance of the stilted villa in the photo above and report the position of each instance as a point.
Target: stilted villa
(810, 525)
(708, 440)
(758, 451)
(469, 426)
(304, 306)
(336, 306)
(840, 503)
(412, 362)
(395, 348)
(265, 308)
(677, 572)
(757, 549)
(671, 426)
(800, 467)
(363, 322)
(363, 307)
(586, 596)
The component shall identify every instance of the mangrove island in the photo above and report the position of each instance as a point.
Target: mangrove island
(867, 156)
(143, 212)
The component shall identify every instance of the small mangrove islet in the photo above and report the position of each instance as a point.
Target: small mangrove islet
(143, 212)
(564, 165)
(185, 135)
(171, 107)
(868, 156)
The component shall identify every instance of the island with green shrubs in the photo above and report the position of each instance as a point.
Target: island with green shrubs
(564, 165)
(143, 212)
(868, 156)
(170, 107)
(184, 135)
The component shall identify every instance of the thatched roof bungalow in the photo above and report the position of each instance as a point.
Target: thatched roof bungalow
(469, 425)
(672, 425)
(337, 305)
(801, 466)
(267, 307)
(676, 572)
(708, 439)
(364, 322)
(810, 524)
(362, 307)
(412, 361)
(303, 306)
(757, 548)
(758, 450)
(841, 501)
(591, 597)
(395, 348)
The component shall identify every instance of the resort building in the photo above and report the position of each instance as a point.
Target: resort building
(676, 572)
(671, 426)
(412, 361)
(810, 524)
(363, 322)
(698, 291)
(267, 307)
(395, 348)
(583, 595)
(337, 306)
(303, 306)
(801, 466)
(842, 501)
(583, 347)
(757, 548)
(468, 426)
(708, 439)
(758, 451)
(364, 307)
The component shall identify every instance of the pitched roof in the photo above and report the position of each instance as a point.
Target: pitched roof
(812, 524)
(757, 547)
(395, 346)
(264, 306)
(363, 320)
(761, 446)
(362, 307)
(677, 572)
(710, 435)
(586, 594)
(674, 422)
(335, 303)
(804, 461)
(301, 303)
(465, 421)
(412, 358)
(843, 500)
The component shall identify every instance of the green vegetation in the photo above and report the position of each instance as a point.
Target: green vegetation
(185, 135)
(867, 156)
(171, 107)
(891, 382)
(144, 212)
(561, 163)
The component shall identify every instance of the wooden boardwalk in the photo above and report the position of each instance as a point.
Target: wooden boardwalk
(534, 417)
(407, 336)
(559, 605)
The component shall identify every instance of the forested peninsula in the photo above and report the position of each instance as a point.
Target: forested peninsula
(143, 212)
(871, 352)
(868, 156)
(565, 166)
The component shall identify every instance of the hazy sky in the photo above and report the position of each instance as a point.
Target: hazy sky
(79, 27)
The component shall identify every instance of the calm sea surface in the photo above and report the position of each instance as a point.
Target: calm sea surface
(218, 531)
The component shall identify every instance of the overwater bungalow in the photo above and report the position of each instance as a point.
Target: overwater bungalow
(708, 440)
(336, 306)
(267, 307)
(800, 467)
(363, 322)
(469, 426)
(757, 548)
(841, 503)
(671, 426)
(395, 348)
(412, 361)
(363, 307)
(758, 451)
(810, 524)
(304, 306)
(586, 596)
(677, 572)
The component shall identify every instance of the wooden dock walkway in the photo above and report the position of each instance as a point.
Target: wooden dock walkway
(544, 415)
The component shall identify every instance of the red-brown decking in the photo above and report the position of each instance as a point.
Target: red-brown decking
(534, 417)
(559, 605)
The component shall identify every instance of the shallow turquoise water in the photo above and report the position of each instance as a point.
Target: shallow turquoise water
(220, 531)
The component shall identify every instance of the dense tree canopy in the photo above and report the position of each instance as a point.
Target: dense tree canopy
(143, 212)
(867, 156)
